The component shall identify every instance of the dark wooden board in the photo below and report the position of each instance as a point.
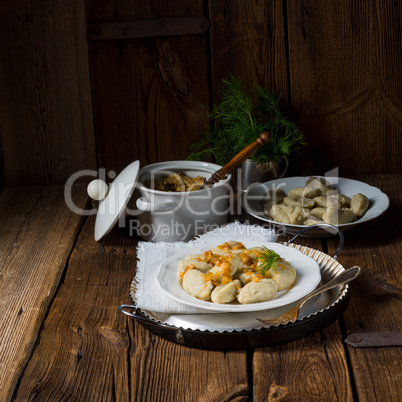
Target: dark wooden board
(98, 351)
(376, 302)
(37, 234)
(346, 81)
(150, 95)
(46, 115)
(248, 41)
(313, 368)
(151, 98)
(125, 10)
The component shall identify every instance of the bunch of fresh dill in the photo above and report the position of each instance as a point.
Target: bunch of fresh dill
(267, 260)
(240, 118)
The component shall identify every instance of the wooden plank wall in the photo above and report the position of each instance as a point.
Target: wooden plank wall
(46, 119)
(68, 103)
(150, 95)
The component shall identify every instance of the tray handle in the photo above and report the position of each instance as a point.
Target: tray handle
(341, 238)
(176, 332)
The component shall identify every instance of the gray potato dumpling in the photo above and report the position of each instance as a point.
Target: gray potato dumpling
(317, 212)
(271, 198)
(336, 216)
(312, 220)
(296, 193)
(359, 204)
(223, 294)
(299, 202)
(257, 292)
(195, 285)
(327, 201)
(319, 183)
(287, 214)
(342, 199)
(279, 214)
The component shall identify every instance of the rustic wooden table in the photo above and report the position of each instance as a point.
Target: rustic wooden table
(62, 336)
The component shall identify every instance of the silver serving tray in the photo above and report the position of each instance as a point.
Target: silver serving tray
(240, 330)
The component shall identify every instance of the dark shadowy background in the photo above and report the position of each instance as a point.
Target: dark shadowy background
(88, 85)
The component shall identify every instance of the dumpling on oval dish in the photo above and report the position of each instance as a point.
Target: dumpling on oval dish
(229, 246)
(254, 252)
(194, 284)
(225, 293)
(257, 292)
(245, 277)
(200, 265)
(284, 274)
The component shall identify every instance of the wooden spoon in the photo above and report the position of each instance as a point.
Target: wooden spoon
(244, 154)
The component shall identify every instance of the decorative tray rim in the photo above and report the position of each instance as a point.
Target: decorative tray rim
(324, 260)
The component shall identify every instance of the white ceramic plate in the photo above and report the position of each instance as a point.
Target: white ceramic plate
(379, 202)
(308, 277)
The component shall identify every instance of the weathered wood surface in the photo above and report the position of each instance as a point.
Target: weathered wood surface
(46, 114)
(376, 304)
(248, 40)
(89, 350)
(67, 104)
(345, 78)
(102, 355)
(37, 234)
(150, 95)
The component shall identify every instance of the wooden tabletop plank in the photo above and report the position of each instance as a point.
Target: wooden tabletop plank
(165, 371)
(311, 368)
(376, 295)
(307, 369)
(37, 235)
(88, 348)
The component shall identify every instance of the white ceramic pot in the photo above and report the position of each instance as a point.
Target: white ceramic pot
(179, 216)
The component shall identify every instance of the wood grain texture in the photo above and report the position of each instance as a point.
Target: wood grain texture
(162, 370)
(150, 95)
(376, 302)
(103, 355)
(248, 41)
(150, 99)
(148, 28)
(125, 10)
(346, 81)
(46, 107)
(313, 368)
(37, 234)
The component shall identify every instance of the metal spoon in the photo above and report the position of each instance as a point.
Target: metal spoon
(291, 315)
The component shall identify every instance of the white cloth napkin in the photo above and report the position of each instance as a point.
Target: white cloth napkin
(149, 296)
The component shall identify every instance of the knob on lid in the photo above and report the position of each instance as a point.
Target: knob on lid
(112, 206)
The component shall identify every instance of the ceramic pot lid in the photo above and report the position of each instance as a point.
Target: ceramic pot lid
(111, 208)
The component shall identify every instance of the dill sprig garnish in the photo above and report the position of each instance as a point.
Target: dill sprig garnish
(267, 260)
(240, 118)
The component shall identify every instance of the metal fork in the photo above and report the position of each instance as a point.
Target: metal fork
(291, 315)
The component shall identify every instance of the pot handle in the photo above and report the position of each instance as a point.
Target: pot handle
(325, 225)
(144, 205)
